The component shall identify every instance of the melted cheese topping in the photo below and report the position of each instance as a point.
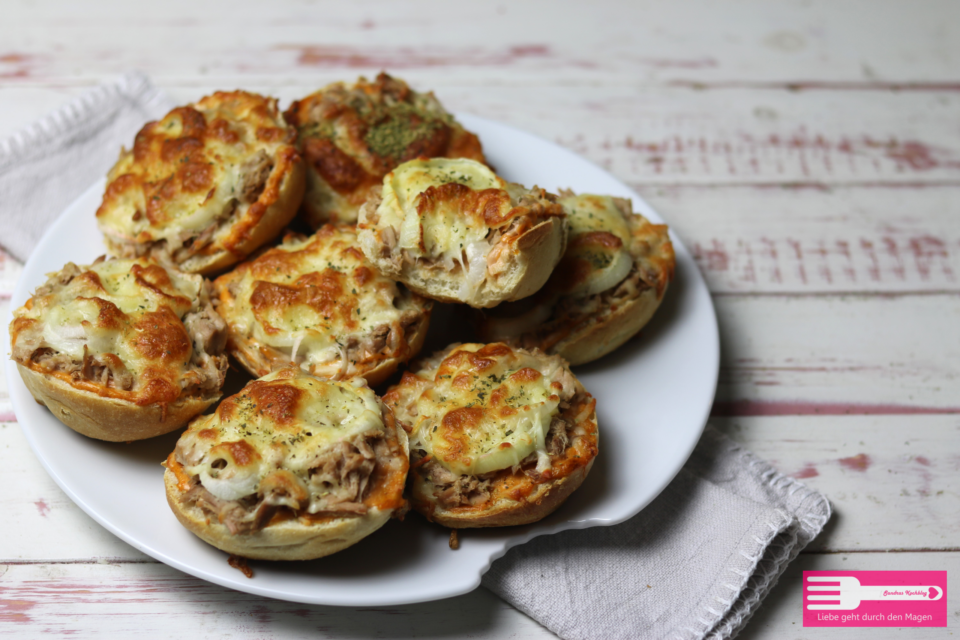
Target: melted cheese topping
(196, 168)
(308, 298)
(284, 421)
(597, 256)
(486, 408)
(345, 159)
(132, 309)
(430, 214)
(444, 210)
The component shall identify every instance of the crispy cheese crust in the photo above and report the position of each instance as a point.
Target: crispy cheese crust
(291, 468)
(353, 135)
(121, 349)
(319, 303)
(206, 185)
(454, 231)
(498, 436)
(607, 286)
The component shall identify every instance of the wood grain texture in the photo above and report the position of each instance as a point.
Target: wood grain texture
(140, 600)
(644, 41)
(806, 151)
(838, 355)
(893, 481)
(844, 239)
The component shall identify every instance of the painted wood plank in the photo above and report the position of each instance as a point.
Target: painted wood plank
(48, 523)
(781, 616)
(153, 601)
(784, 355)
(693, 42)
(893, 481)
(845, 239)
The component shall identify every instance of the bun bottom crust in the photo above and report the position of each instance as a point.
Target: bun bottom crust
(607, 332)
(503, 512)
(287, 540)
(109, 419)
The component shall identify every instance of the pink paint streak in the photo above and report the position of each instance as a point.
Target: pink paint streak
(859, 462)
(821, 85)
(408, 57)
(8, 417)
(740, 408)
(916, 155)
(15, 610)
(16, 65)
(922, 460)
(808, 471)
(679, 63)
(714, 258)
(42, 507)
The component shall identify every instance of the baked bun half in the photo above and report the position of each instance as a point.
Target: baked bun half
(352, 135)
(454, 231)
(121, 349)
(498, 435)
(607, 286)
(318, 303)
(206, 185)
(291, 468)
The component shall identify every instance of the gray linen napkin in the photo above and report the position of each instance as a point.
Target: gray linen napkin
(696, 563)
(44, 167)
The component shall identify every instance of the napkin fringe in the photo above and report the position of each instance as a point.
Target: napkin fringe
(133, 86)
(710, 617)
(784, 543)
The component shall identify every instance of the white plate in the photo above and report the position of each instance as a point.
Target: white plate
(653, 398)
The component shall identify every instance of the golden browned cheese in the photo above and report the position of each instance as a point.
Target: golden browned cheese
(117, 329)
(453, 230)
(199, 182)
(276, 436)
(353, 135)
(500, 422)
(319, 303)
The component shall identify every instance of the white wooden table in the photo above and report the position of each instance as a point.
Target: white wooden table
(808, 152)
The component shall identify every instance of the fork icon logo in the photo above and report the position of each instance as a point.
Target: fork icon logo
(874, 598)
(852, 593)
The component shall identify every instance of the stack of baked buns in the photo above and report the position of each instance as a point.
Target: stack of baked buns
(398, 210)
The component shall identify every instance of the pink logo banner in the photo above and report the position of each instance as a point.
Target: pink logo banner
(874, 598)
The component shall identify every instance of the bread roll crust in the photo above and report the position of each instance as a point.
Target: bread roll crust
(110, 419)
(583, 329)
(514, 495)
(121, 350)
(353, 135)
(287, 540)
(453, 231)
(206, 185)
(270, 475)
